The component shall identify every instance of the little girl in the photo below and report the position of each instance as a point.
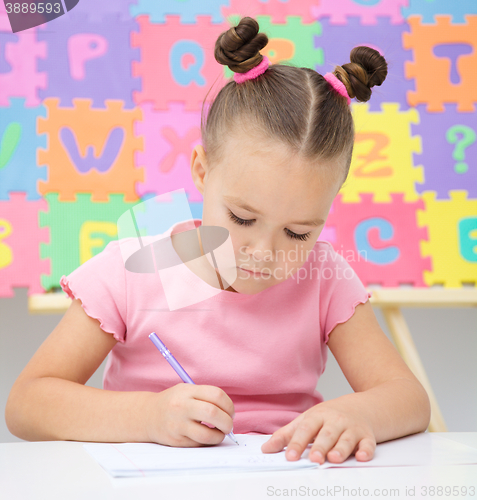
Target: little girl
(277, 147)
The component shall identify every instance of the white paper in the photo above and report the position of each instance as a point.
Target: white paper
(145, 459)
(149, 459)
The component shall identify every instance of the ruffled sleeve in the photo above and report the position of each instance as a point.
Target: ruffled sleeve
(100, 284)
(341, 291)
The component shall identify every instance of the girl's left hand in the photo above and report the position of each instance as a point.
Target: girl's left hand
(335, 433)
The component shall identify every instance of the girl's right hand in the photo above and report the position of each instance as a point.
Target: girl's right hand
(174, 415)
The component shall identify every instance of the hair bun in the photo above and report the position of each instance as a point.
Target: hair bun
(366, 69)
(239, 47)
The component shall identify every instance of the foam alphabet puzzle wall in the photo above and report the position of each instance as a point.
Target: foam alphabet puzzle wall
(100, 109)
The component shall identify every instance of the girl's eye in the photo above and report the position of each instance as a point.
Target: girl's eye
(295, 236)
(290, 234)
(237, 220)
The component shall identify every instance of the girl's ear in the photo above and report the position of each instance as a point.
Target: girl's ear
(199, 153)
(198, 167)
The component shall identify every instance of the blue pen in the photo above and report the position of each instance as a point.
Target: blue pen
(178, 368)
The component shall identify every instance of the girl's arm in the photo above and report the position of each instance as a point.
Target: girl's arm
(389, 402)
(49, 400)
(386, 390)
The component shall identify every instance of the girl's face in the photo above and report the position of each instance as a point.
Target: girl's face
(273, 205)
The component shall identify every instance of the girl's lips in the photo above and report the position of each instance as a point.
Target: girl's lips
(255, 273)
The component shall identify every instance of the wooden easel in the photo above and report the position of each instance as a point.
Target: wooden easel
(390, 300)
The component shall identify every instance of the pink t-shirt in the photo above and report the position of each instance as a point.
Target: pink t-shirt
(265, 350)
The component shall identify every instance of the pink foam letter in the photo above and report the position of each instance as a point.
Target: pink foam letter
(83, 47)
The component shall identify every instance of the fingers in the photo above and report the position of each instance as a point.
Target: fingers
(213, 422)
(367, 447)
(212, 415)
(203, 435)
(296, 436)
(195, 435)
(333, 439)
(334, 443)
(276, 442)
(194, 415)
(325, 438)
(215, 395)
(198, 432)
(343, 447)
(280, 438)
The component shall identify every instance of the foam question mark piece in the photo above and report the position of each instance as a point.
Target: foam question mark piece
(467, 139)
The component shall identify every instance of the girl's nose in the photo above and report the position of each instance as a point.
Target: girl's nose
(261, 251)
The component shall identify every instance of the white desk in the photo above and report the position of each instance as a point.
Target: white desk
(64, 470)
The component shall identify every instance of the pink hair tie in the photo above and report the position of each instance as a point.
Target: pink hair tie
(337, 85)
(254, 72)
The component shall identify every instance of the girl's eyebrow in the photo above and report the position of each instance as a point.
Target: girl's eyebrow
(239, 203)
